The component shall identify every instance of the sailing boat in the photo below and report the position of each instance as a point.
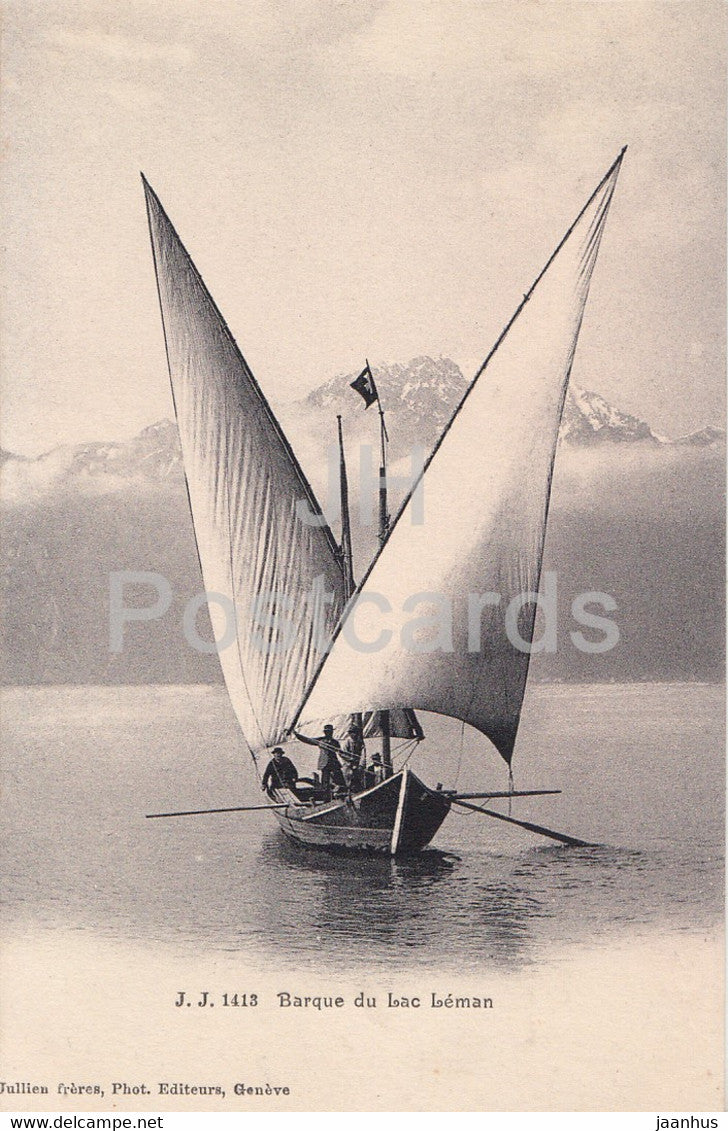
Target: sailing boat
(267, 552)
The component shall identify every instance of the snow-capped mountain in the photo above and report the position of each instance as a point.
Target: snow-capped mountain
(419, 398)
(422, 395)
(708, 437)
(150, 459)
(589, 419)
(153, 454)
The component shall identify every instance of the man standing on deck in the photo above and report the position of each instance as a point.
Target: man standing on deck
(328, 762)
(354, 755)
(377, 772)
(280, 773)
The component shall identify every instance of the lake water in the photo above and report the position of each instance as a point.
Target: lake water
(640, 766)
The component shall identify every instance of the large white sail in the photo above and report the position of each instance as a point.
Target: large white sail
(245, 488)
(485, 492)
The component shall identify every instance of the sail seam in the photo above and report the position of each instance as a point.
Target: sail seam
(241, 665)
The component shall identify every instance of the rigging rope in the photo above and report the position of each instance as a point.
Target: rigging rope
(412, 743)
(460, 753)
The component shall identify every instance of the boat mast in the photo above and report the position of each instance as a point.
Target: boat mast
(384, 721)
(346, 548)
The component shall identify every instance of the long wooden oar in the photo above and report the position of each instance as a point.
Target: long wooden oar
(202, 812)
(506, 793)
(561, 837)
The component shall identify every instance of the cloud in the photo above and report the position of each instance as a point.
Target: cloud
(622, 479)
(53, 476)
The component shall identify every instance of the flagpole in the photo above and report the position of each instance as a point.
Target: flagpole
(384, 720)
(347, 550)
(366, 387)
(383, 439)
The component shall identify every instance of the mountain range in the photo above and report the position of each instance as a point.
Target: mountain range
(633, 514)
(419, 399)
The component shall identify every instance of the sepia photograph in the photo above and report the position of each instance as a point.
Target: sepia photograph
(363, 554)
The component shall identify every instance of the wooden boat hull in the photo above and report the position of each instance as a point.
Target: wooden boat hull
(399, 816)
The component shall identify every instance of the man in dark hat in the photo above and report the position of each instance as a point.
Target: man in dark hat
(328, 763)
(377, 772)
(280, 773)
(353, 755)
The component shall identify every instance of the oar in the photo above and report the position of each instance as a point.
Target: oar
(510, 793)
(561, 837)
(202, 812)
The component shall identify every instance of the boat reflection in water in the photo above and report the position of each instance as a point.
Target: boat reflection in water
(368, 909)
(482, 910)
(375, 907)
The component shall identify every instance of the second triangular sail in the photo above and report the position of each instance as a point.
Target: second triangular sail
(486, 490)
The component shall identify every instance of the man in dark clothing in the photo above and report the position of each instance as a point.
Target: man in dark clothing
(377, 772)
(354, 756)
(280, 773)
(328, 763)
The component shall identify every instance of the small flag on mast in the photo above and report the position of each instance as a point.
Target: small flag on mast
(365, 386)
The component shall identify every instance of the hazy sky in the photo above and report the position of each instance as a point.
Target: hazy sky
(375, 177)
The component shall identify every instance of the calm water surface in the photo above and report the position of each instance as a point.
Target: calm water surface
(641, 767)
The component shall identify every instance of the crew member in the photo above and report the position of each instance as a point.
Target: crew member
(353, 755)
(328, 763)
(377, 770)
(280, 773)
